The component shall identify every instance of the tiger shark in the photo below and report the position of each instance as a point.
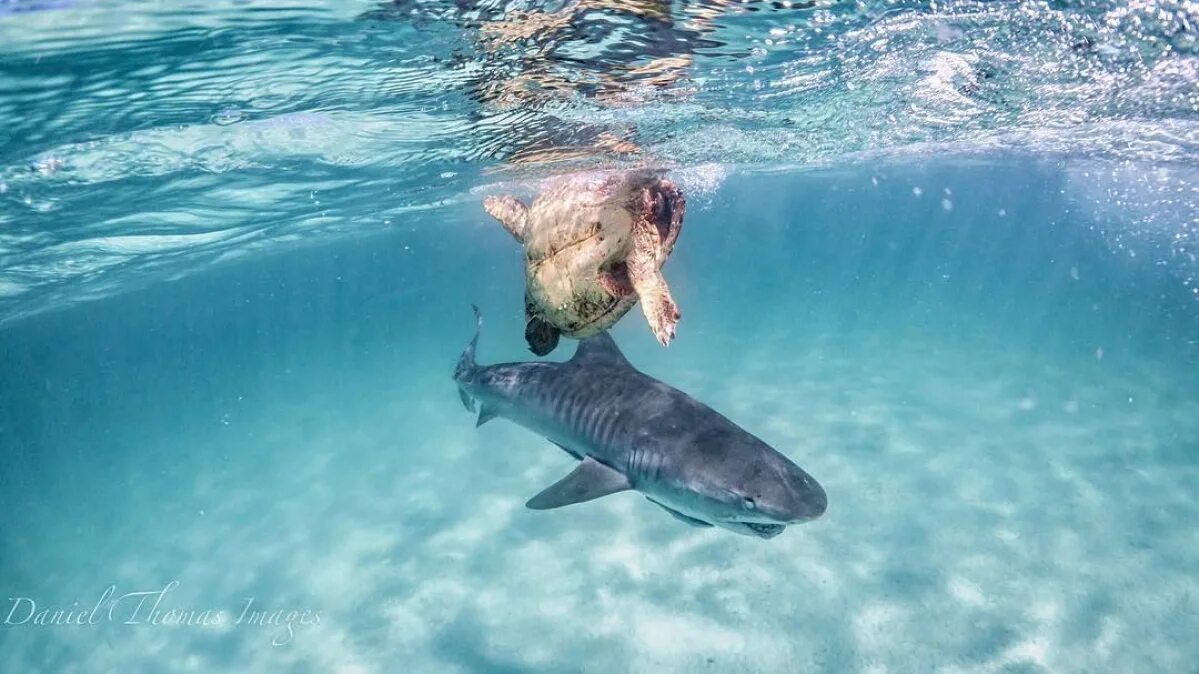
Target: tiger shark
(629, 431)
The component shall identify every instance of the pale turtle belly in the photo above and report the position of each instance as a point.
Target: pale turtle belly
(570, 243)
(569, 296)
(564, 285)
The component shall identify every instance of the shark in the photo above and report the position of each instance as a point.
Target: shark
(630, 432)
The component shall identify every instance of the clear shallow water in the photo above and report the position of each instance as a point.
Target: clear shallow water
(979, 332)
(1009, 451)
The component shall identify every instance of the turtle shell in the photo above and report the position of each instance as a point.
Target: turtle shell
(575, 233)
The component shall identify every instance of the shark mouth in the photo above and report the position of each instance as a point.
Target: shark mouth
(765, 530)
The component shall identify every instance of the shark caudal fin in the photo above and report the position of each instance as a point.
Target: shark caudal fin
(466, 362)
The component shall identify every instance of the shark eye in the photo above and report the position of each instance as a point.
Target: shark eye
(749, 503)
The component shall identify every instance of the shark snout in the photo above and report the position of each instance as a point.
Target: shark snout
(815, 501)
(805, 499)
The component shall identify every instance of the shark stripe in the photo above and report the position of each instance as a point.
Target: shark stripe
(605, 424)
(586, 420)
(550, 400)
(614, 433)
(600, 412)
(580, 405)
(567, 407)
(570, 406)
(597, 422)
(560, 395)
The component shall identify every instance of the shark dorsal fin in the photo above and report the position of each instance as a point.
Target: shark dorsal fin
(589, 480)
(600, 348)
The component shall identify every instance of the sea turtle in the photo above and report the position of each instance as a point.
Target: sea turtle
(594, 245)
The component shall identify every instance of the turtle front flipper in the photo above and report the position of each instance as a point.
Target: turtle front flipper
(646, 277)
(511, 213)
(657, 304)
(541, 336)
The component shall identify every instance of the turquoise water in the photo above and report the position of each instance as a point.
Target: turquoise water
(238, 248)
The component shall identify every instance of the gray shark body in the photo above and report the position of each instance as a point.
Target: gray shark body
(631, 431)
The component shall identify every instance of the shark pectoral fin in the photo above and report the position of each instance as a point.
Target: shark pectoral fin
(680, 516)
(589, 480)
(485, 414)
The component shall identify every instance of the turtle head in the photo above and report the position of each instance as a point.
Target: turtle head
(659, 201)
(666, 205)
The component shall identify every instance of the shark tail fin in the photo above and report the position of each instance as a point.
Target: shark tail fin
(466, 363)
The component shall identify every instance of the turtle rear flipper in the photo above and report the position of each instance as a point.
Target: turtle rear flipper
(541, 337)
(615, 280)
(511, 213)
